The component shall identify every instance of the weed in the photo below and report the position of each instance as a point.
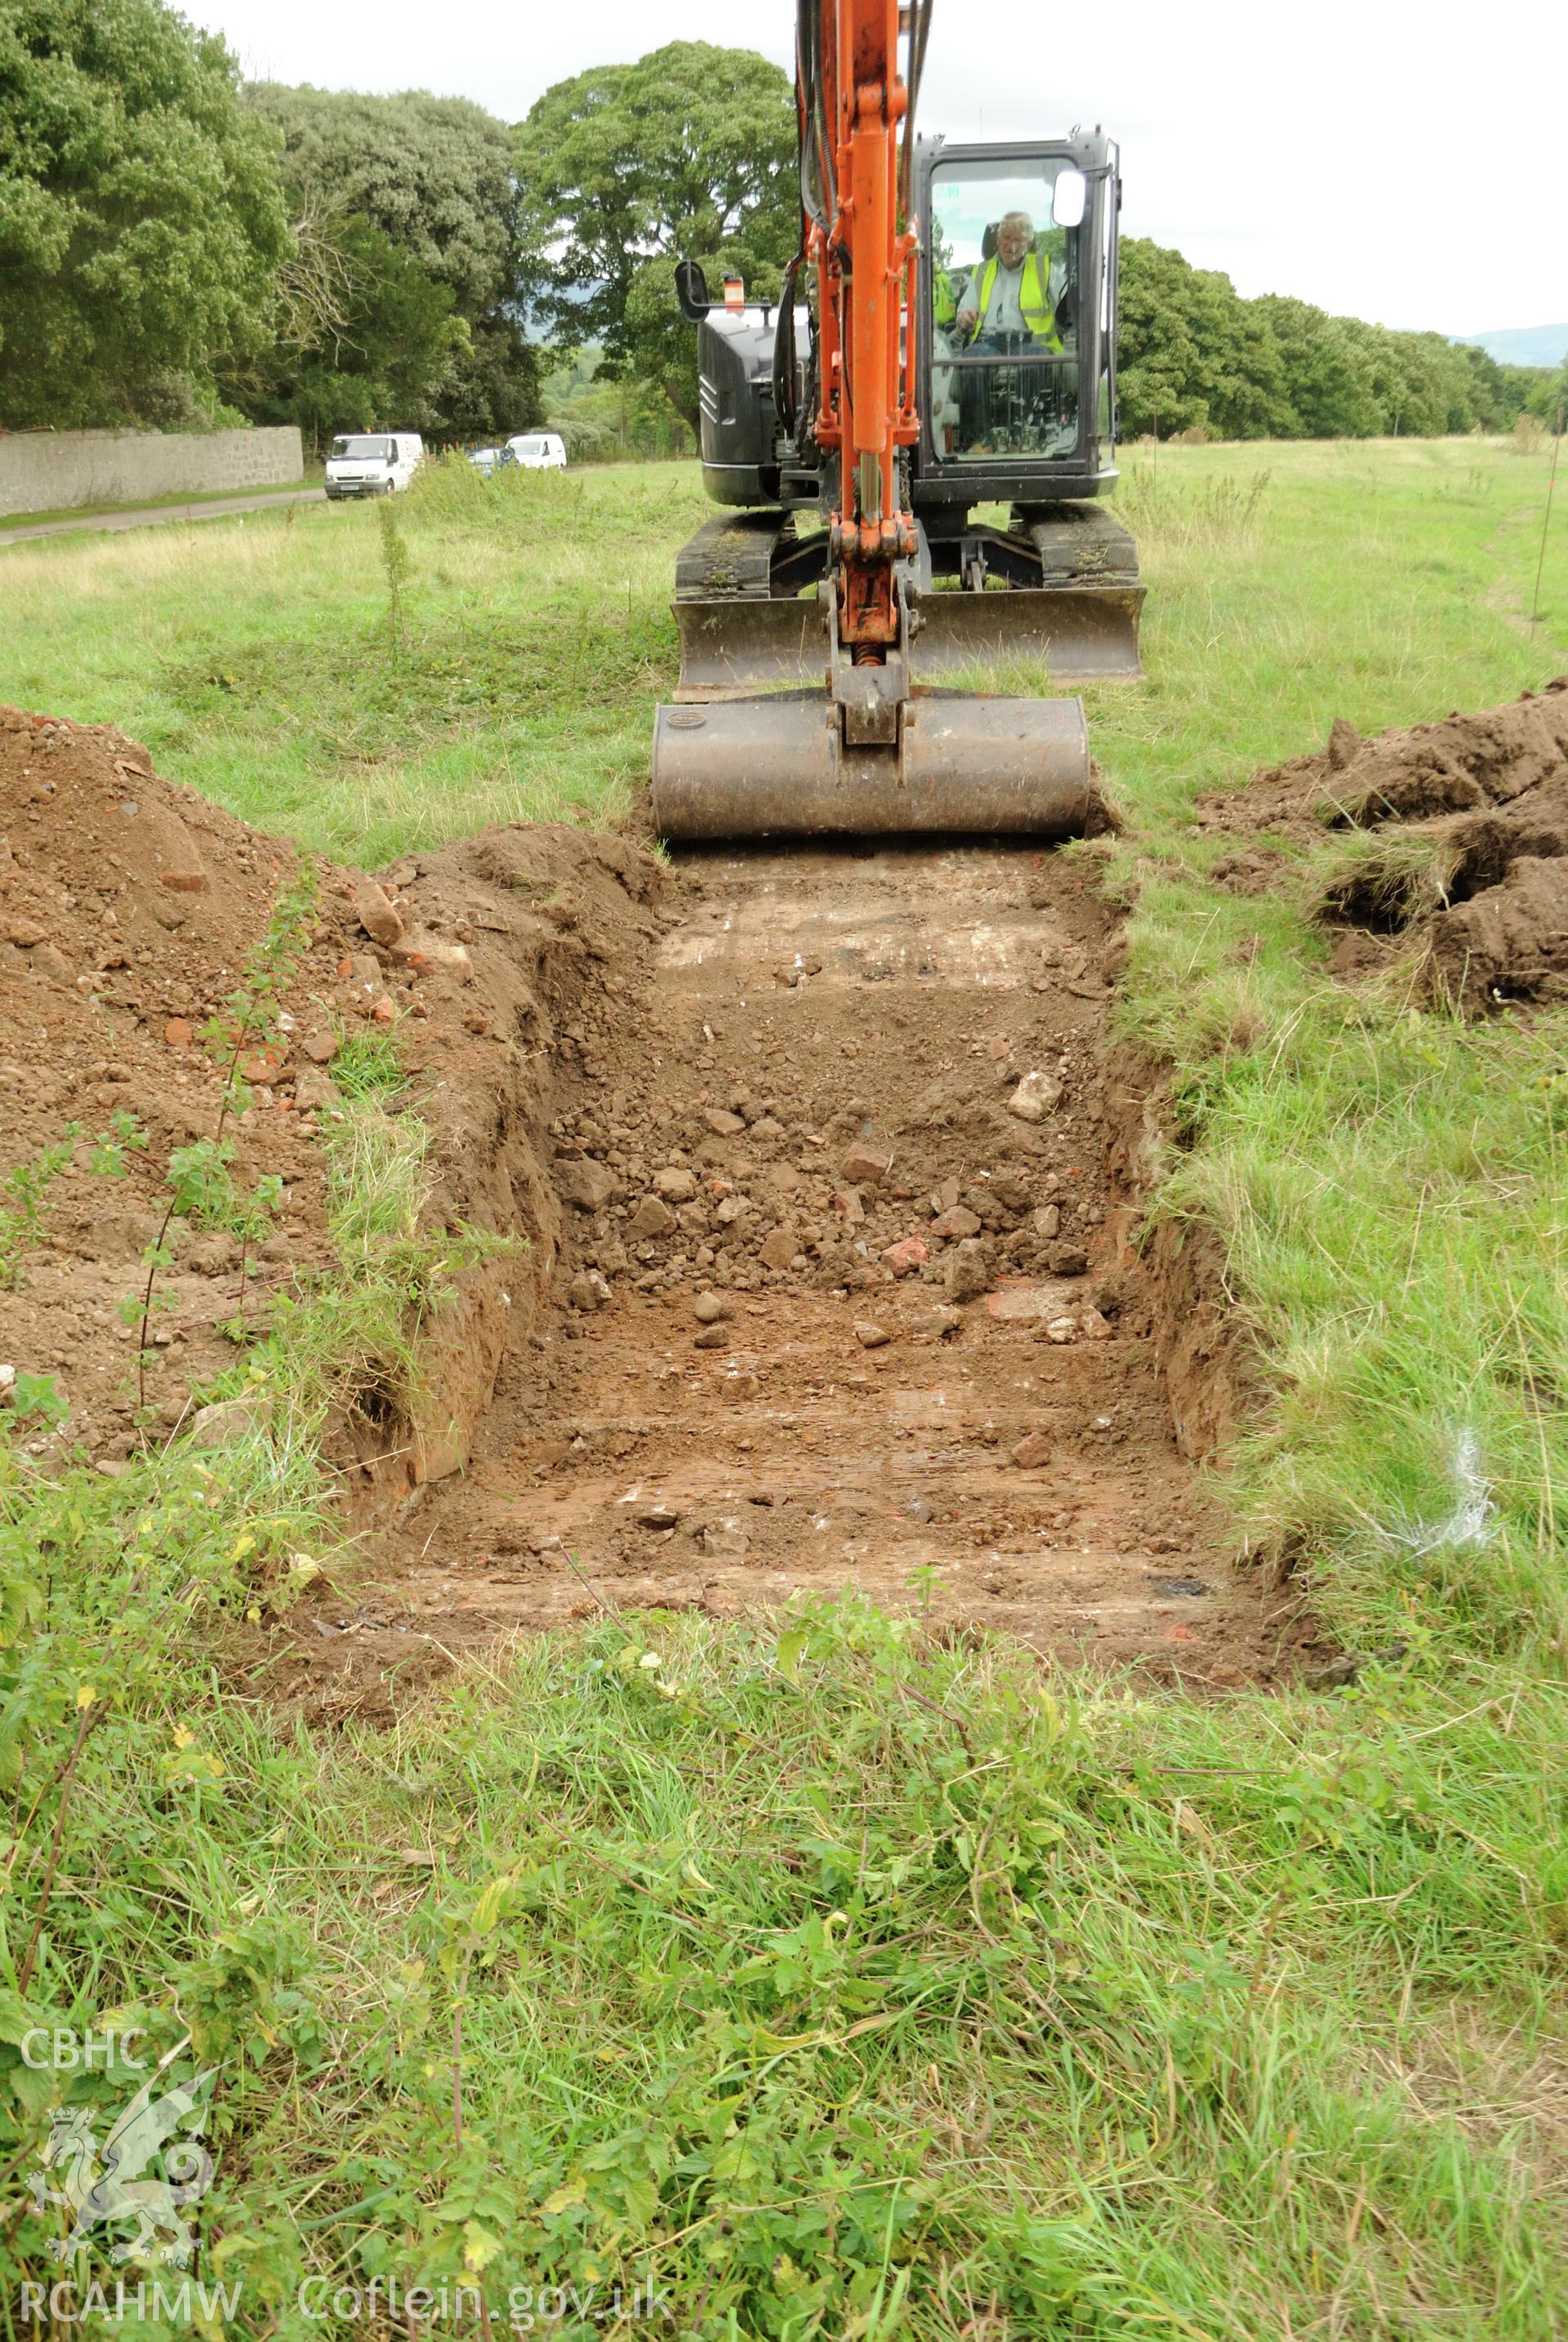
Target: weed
(395, 570)
(26, 1187)
(351, 1338)
(366, 1067)
(200, 1177)
(35, 1395)
(1220, 510)
(112, 1147)
(27, 1184)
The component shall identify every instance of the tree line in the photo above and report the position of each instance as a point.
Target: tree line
(179, 248)
(1195, 355)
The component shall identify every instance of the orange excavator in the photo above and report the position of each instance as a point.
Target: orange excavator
(810, 699)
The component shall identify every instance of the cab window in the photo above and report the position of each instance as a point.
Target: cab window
(1003, 280)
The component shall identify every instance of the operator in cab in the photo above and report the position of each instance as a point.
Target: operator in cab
(1005, 311)
(1010, 294)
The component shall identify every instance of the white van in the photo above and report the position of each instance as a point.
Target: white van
(538, 451)
(372, 463)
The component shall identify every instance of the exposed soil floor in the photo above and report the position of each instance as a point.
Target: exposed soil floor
(823, 1071)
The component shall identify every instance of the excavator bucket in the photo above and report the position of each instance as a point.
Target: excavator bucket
(777, 766)
(743, 755)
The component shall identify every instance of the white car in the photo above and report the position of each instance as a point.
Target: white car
(538, 451)
(372, 463)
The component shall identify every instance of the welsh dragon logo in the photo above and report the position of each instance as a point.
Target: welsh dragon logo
(107, 2186)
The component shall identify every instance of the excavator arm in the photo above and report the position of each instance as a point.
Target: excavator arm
(866, 263)
(863, 245)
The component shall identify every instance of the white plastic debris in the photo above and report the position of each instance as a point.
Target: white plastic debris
(1469, 1522)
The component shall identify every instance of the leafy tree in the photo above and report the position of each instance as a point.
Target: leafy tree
(602, 418)
(1547, 395)
(1500, 393)
(416, 206)
(362, 345)
(1192, 352)
(1326, 377)
(688, 154)
(140, 224)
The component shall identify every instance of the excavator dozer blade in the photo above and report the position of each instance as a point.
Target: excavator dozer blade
(1081, 634)
(730, 648)
(775, 767)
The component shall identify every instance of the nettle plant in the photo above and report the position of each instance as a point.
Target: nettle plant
(24, 1189)
(202, 1178)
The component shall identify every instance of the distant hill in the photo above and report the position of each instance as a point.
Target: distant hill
(1534, 346)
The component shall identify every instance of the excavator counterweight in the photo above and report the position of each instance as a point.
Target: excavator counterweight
(955, 350)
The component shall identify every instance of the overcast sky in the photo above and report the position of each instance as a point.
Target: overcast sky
(1386, 161)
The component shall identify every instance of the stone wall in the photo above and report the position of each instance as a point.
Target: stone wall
(46, 471)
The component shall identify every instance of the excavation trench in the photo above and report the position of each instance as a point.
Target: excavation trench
(860, 1106)
(810, 1303)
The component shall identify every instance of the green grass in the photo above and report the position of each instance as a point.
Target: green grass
(539, 638)
(1388, 582)
(841, 1981)
(367, 1065)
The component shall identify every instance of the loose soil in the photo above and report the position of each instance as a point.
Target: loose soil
(128, 910)
(1459, 874)
(827, 1194)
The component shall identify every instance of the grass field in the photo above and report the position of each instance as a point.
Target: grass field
(1104, 2016)
(1383, 581)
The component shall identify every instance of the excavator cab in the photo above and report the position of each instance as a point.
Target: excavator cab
(1001, 360)
(1017, 361)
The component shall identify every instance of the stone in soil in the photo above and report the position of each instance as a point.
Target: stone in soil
(864, 1166)
(955, 1223)
(966, 1270)
(585, 1183)
(650, 1218)
(375, 913)
(1035, 1097)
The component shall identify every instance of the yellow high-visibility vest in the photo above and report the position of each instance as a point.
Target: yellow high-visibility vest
(1034, 298)
(943, 308)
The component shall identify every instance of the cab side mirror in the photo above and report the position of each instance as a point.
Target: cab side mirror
(1069, 199)
(692, 291)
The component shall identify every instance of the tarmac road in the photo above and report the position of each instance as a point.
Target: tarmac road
(218, 510)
